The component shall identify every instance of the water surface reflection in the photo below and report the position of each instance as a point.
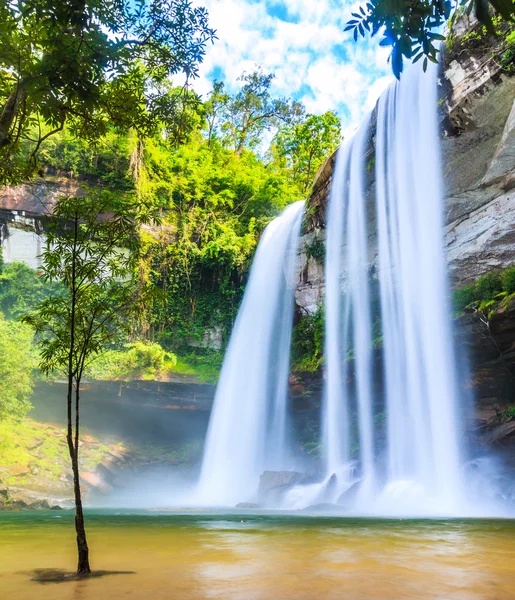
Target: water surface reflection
(261, 557)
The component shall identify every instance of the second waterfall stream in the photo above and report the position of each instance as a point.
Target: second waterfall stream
(416, 469)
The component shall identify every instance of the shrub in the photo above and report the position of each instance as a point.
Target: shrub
(315, 250)
(488, 286)
(135, 361)
(463, 297)
(508, 280)
(16, 363)
(308, 342)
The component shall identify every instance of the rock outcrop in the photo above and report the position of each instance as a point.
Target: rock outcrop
(273, 485)
(478, 146)
(477, 113)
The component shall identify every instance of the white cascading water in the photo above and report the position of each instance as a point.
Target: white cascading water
(248, 429)
(422, 473)
(348, 315)
(423, 455)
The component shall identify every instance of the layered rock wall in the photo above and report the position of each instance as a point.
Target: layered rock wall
(478, 155)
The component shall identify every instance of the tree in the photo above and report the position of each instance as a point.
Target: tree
(92, 251)
(253, 110)
(214, 107)
(16, 364)
(408, 25)
(90, 64)
(215, 204)
(305, 144)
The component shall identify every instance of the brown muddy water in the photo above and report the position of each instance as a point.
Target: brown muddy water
(260, 557)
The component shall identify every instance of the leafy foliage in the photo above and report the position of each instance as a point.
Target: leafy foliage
(136, 360)
(91, 252)
(308, 342)
(306, 144)
(107, 161)
(215, 203)
(487, 286)
(91, 64)
(487, 293)
(16, 364)
(21, 289)
(508, 414)
(214, 200)
(408, 25)
(508, 280)
(315, 250)
(508, 56)
(252, 111)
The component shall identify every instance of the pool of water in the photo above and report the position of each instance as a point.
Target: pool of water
(260, 556)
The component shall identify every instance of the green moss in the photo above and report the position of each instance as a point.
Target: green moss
(31, 450)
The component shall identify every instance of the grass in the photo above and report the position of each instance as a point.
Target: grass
(205, 367)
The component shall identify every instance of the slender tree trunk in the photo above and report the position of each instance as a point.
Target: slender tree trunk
(82, 544)
(83, 567)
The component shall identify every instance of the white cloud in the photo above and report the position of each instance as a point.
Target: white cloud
(313, 59)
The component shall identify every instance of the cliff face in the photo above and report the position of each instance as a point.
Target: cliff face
(478, 152)
(477, 109)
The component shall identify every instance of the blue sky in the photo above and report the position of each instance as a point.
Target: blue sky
(303, 43)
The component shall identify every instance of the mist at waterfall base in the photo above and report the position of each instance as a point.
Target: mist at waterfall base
(420, 468)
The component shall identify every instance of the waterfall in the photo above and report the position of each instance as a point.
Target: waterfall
(420, 378)
(248, 430)
(387, 449)
(420, 465)
(348, 312)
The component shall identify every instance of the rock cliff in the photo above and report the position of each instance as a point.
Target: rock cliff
(477, 111)
(478, 149)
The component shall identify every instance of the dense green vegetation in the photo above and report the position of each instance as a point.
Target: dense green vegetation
(214, 192)
(137, 360)
(501, 41)
(489, 292)
(214, 186)
(308, 342)
(16, 363)
(21, 290)
(88, 65)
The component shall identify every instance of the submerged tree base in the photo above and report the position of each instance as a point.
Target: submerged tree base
(58, 576)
